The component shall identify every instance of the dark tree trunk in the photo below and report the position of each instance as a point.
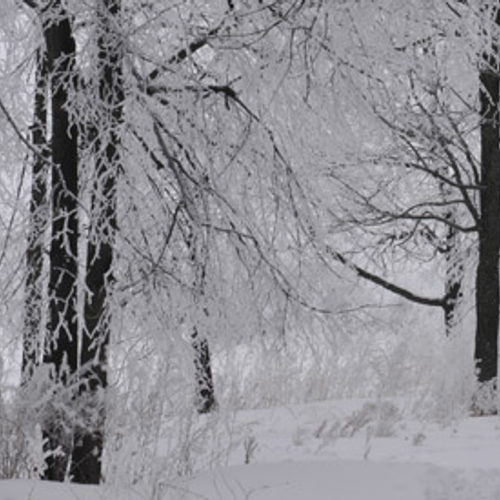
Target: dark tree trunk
(33, 317)
(88, 445)
(61, 346)
(487, 279)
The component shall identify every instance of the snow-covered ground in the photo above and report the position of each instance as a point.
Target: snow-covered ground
(325, 451)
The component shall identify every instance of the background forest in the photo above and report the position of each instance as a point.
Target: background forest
(210, 206)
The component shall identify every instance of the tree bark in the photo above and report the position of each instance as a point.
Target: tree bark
(487, 277)
(61, 346)
(89, 441)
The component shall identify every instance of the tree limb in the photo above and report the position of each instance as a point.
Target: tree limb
(31, 3)
(387, 285)
(187, 51)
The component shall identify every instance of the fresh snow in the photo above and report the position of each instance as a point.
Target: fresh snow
(344, 480)
(340, 450)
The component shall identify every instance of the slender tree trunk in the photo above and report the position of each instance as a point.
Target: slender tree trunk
(487, 277)
(33, 316)
(453, 278)
(205, 390)
(454, 269)
(88, 446)
(61, 346)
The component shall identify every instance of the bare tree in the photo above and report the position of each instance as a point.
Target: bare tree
(432, 145)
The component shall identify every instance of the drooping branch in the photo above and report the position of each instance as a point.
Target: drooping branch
(387, 285)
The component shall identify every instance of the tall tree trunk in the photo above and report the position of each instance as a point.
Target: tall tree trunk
(487, 277)
(33, 316)
(88, 445)
(61, 346)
